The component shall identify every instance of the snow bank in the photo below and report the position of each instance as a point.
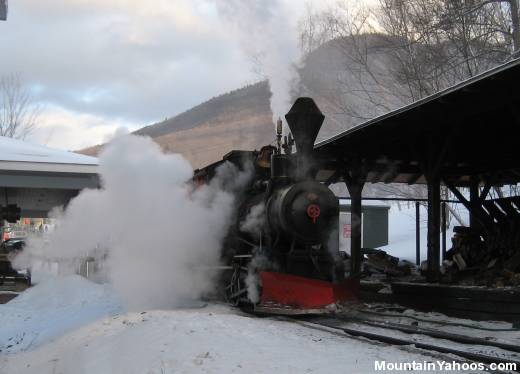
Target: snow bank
(52, 308)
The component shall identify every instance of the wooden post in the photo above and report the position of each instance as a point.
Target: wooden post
(434, 226)
(474, 197)
(356, 232)
(444, 228)
(417, 233)
(433, 172)
(355, 180)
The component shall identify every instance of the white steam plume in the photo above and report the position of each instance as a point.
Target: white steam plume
(254, 220)
(253, 224)
(119, 132)
(267, 31)
(253, 282)
(155, 236)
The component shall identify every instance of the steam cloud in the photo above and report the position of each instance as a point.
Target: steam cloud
(254, 220)
(253, 282)
(265, 31)
(155, 237)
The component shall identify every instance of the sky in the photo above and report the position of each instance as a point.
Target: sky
(100, 67)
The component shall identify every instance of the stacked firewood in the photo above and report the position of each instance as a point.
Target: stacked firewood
(379, 262)
(485, 258)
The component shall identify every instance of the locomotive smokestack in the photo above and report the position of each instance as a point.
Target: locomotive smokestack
(304, 120)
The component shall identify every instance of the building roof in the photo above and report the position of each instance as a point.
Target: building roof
(26, 165)
(472, 125)
(19, 155)
(38, 178)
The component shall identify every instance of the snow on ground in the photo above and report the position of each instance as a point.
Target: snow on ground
(401, 241)
(211, 340)
(52, 308)
(71, 325)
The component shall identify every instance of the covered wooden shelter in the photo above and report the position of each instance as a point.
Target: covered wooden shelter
(464, 136)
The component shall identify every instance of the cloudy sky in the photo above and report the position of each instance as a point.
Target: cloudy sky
(96, 66)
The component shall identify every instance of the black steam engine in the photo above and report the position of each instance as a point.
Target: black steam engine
(282, 248)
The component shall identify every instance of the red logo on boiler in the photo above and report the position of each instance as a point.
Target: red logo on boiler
(313, 211)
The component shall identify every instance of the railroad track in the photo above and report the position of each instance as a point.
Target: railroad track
(414, 329)
(438, 341)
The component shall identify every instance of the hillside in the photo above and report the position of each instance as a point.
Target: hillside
(242, 119)
(253, 98)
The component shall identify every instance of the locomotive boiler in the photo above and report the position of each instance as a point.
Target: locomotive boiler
(281, 253)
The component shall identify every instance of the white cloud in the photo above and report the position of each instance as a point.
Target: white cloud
(102, 64)
(64, 129)
(134, 59)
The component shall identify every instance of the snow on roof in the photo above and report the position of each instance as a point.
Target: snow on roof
(20, 155)
(18, 150)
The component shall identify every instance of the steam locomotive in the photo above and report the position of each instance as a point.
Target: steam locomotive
(281, 253)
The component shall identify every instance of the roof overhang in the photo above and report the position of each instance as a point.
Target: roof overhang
(473, 125)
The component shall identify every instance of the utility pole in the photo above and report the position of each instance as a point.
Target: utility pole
(3, 10)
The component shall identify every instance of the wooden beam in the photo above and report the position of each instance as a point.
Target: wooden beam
(506, 206)
(417, 233)
(441, 153)
(474, 208)
(432, 171)
(434, 229)
(414, 178)
(355, 191)
(474, 198)
(494, 211)
(333, 178)
(485, 191)
(444, 227)
(458, 194)
(516, 200)
(355, 179)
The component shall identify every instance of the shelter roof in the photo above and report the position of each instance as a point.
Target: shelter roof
(469, 129)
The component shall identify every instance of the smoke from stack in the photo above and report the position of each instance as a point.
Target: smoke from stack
(267, 31)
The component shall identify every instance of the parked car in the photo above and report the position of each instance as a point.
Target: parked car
(8, 249)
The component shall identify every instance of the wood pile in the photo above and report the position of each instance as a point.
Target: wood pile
(378, 261)
(489, 257)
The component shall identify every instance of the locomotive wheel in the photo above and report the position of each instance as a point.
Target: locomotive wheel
(236, 290)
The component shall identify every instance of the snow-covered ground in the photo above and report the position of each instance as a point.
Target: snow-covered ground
(70, 325)
(51, 309)
(401, 231)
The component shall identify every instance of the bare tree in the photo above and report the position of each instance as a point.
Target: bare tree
(446, 41)
(18, 114)
(356, 88)
(404, 50)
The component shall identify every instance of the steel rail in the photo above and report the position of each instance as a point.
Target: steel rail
(473, 356)
(464, 339)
